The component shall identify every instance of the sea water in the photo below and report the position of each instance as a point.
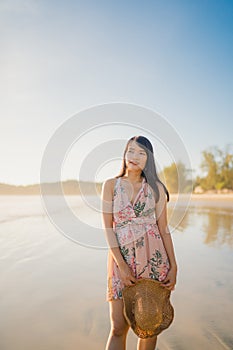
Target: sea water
(53, 283)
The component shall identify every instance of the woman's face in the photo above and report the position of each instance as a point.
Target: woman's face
(135, 157)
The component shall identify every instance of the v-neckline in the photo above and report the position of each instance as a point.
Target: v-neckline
(137, 195)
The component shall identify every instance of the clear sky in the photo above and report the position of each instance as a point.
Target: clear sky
(60, 57)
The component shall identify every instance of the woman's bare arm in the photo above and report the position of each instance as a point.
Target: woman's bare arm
(161, 215)
(107, 221)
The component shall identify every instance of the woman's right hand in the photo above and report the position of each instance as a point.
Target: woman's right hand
(126, 275)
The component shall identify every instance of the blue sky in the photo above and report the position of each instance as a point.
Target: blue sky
(58, 58)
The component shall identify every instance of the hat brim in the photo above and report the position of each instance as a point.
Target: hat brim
(147, 307)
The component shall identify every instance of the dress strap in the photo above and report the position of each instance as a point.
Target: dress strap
(116, 185)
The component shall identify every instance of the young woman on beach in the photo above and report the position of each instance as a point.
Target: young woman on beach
(134, 216)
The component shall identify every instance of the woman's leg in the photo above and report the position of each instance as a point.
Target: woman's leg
(147, 344)
(119, 326)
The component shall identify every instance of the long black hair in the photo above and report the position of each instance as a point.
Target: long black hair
(149, 172)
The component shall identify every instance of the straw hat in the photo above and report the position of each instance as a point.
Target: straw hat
(147, 307)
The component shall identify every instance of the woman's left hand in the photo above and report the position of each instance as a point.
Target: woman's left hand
(170, 280)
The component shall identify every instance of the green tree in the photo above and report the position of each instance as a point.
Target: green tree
(176, 178)
(226, 167)
(217, 166)
(209, 166)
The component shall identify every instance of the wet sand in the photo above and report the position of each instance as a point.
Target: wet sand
(53, 290)
(212, 200)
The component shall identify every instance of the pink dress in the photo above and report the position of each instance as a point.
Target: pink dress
(138, 237)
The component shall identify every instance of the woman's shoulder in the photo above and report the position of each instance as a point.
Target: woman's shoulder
(161, 190)
(160, 186)
(110, 183)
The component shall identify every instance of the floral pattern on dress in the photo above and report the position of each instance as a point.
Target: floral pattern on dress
(138, 237)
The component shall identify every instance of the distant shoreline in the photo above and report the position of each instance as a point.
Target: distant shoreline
(213, 200)
(77, 188)
(69, 187)
(173, 196)
(203, 196)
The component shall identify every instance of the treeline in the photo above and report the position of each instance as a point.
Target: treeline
(177, 178)
(216, 166)
(217, 169)
(69, 187)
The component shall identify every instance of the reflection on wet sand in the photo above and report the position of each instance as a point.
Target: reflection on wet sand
(218, 227)
(53, 290)
(216, 223)
(178, 219)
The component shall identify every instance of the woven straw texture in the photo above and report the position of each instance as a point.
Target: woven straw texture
(147, 307)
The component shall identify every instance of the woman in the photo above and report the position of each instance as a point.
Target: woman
(134, 216)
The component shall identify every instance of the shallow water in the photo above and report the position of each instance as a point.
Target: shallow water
(53, 289)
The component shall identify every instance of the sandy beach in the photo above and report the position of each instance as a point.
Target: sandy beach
(53, 290)
(205, 196)
(210, 200)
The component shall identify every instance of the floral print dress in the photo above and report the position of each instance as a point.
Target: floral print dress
(138, 237)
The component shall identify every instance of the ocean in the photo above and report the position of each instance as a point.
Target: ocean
(53, 281)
